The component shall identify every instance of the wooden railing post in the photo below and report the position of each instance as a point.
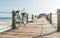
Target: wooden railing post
(32, 17)
(27, 18)
(58, 20)
(13, 19)
(50, 17)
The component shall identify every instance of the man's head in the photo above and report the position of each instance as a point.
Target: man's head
(17, 11)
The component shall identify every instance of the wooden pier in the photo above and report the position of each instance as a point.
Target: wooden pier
(40, 29)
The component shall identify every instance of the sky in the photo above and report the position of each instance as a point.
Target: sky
(31, 6)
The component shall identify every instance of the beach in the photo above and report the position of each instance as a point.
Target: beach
(5, 25)
(7, 22)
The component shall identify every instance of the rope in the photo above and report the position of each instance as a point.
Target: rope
(5, 12)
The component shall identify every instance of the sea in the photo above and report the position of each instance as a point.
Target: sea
(54, 20)
(8, 17)
(5, 17)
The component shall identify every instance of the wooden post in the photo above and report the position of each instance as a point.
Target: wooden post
(58, 20)
(13, 20)
(27, 18)
(50, 17)
(32, 16)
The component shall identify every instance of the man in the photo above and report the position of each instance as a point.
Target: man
(17, 19)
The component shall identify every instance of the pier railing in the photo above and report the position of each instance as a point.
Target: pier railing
(5, 21)
(57, 19)
(13, 18)
(52, 18)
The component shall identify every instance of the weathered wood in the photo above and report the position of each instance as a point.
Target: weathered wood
(50, 17)
(27, 18)
(32, 17)
(13, 20)
(58, 20)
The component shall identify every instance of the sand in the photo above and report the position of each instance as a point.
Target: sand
(8, 22)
